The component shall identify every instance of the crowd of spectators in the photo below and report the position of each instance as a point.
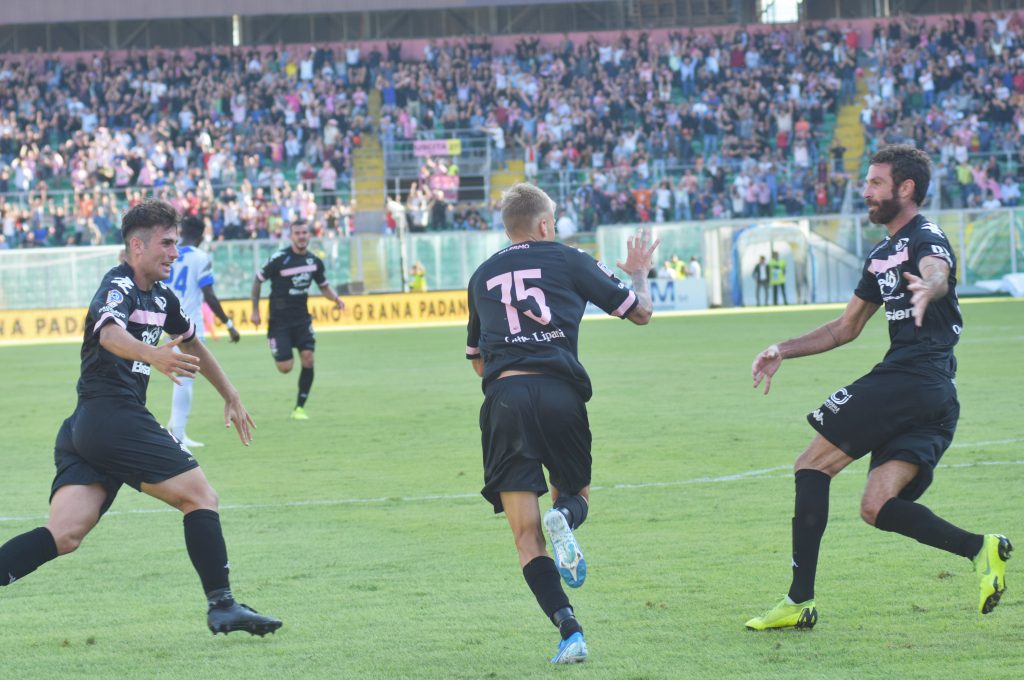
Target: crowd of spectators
(243, 136)
(956, 89)
(698, 125)
(607, 124)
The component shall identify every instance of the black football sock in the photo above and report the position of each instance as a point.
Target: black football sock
(25, 553)
(574, 508)
(810, 515)
(543, 579)
(924, 526)
(566, 621)
(305, 383)
(204, 541)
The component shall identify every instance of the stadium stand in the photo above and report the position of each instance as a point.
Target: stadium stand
(630, 127)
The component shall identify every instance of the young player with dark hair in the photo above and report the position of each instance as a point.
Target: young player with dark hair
(291, 271)
(904, 412)
(525, 307)
(111, 439)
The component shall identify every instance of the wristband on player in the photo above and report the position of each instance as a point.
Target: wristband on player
(229, 323)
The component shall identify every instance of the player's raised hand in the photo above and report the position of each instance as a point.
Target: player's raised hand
(920, 296)
(174, 364)
(639, 253)
(765, 366)
(235, 414)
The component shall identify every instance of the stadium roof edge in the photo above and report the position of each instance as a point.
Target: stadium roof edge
(65, 11)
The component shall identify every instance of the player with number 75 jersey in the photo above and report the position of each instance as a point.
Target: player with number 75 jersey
(526, 303)
(525, 307)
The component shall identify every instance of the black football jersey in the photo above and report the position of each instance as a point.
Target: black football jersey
(290, 276)
(145, 314)
(930, 347)
(525, 307)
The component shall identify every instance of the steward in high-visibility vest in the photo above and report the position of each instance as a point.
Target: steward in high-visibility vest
(777, 278)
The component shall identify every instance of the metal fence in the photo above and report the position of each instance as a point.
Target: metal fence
(825, 255)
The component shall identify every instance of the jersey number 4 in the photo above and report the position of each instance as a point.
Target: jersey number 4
(519, 278)
(180, 281)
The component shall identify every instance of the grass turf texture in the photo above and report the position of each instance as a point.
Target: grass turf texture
(361, 528)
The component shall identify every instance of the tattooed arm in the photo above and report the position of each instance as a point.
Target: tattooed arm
(931, 285)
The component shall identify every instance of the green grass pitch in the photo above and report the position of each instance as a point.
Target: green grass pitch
(363, 530)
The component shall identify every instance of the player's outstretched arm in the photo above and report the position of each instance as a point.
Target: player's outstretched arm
(211, 299)
(329, 293)
(255, 316)
(639, 260)
(163, 358)
(933, 284)
(234, 412)
(833, 334)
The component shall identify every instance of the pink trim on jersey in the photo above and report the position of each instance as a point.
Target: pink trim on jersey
(298, 270)
(472, 351)
(259, 275)
(148, 318)
(108, 315)
(189, 334)
(879, 266)
(627, 303)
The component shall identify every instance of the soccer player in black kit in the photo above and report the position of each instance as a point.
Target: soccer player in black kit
(904, 412)
(112, 439)
(291, 271)
(525, 307)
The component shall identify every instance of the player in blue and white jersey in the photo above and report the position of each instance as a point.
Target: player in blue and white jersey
(192, 280)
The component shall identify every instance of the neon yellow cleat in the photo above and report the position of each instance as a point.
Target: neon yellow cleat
(990, 566)
(299, 414)
(801, 616)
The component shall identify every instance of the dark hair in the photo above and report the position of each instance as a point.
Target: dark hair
(146, 215)
(907, 162)
(192, 228)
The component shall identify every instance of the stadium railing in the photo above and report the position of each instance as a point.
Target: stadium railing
(826, 253)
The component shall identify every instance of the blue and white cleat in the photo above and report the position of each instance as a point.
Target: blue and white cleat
(571, 650)
(568, 557)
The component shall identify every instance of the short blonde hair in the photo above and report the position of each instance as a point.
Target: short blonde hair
(522, 205)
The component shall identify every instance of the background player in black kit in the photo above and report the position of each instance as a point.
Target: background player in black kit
(903, 412)
(112, 439)
(525, 307)
(290, 272)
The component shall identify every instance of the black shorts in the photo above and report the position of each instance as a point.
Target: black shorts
(283, 340)
(895, 415)
(530, 421)
(114, 441)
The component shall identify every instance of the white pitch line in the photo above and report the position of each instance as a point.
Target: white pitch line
(765, 473)
(991, 442)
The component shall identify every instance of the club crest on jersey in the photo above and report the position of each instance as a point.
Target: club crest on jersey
(151, 335)
(901, 244)
(888, 282)
(160, 302)
(124, 283)
(114, 297)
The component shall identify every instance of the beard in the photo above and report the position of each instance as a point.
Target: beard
(885, 211)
